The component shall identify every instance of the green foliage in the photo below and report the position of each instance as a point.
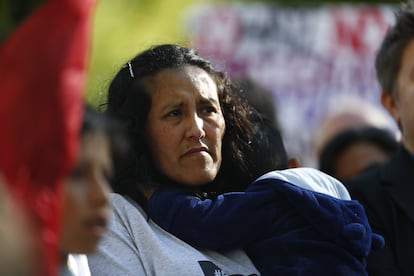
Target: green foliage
(122, 28)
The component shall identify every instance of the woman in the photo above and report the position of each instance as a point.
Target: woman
(188, 128)
(85, 196)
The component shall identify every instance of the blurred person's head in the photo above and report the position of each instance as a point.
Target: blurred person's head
(259, 98)
(349, 112)
(395, 66)
(269, 150)
(356, 150)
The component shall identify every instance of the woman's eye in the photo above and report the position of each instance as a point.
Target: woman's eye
(209, 109)
(174, 113)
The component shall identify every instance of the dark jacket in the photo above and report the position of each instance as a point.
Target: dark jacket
(387, 194)
(285, 229)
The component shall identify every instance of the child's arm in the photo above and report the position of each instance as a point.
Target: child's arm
(230, 221)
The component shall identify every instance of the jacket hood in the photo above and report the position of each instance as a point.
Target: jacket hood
(311, 179)
(324, 202)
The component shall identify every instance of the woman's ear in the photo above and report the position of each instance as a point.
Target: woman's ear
(389, 103)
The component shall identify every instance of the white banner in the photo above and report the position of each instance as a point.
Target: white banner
(310, 59)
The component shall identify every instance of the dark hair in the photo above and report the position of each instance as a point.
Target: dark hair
(94, 121)
(130, 103)
(389, 56)
(259, 98)
(382, 138)
(269, 152)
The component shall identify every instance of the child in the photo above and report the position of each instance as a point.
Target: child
(85, 196)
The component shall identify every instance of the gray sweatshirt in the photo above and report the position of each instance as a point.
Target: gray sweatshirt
(135, 245)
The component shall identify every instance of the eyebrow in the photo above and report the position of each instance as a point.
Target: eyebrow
(180, 104)
(170, 106)
(210, 101)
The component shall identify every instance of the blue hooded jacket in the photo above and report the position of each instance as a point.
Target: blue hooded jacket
(285, 229)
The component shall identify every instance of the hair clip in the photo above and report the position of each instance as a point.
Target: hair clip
(131, 72)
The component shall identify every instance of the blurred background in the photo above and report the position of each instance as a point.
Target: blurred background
(315, 58)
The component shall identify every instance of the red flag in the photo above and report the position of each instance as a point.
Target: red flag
(43, 69)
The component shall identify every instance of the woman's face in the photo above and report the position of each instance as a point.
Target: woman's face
(185, 125)
(85, 193)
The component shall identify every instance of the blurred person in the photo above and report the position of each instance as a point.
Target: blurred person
(86, 209)
(261, 100)
(356, 150)
(43, 67)
(268, 133)
(387, 192)
(349, 112)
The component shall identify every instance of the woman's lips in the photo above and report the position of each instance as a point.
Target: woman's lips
(196, 151)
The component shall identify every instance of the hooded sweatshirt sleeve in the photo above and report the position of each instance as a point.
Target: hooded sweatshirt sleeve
(214, 222)
(230, 221)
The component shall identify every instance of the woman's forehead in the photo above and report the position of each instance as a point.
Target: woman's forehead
(175, 81)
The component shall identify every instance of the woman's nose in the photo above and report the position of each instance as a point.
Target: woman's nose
(196, 127)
